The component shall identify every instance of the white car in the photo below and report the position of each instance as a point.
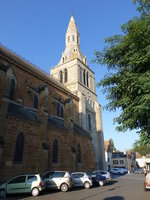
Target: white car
(116, 171)
(125, 170)
(122, 171)
(106, 174)
(58, 180)
(82, 179)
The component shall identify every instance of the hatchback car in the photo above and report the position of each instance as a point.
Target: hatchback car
(57, 180)
(82, 179)
(106, 174)
(125, 170)
(117, 171)
(139, 171)
(29, 183)
(98, 179)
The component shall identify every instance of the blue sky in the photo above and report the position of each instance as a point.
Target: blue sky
(35, 30)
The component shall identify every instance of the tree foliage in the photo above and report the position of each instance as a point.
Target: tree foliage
(112, 144)
(127, 83)
(141, 146)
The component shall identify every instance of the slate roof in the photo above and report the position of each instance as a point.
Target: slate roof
(18, 110)
(57, 122)
(79, 130)
(28, 113)
(118, 155)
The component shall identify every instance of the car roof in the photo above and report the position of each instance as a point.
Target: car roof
(30, 174)
(101, 171)
(55, 171)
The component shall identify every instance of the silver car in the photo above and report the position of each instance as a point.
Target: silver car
(58, 180)
(117, 171)
(82, 179)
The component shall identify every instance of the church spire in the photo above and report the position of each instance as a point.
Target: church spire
(72, 34)
(72, 40)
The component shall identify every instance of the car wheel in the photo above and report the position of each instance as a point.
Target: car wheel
(3, 193)
(35, 192)
(101, 183)
(64, 187)
(86, 185)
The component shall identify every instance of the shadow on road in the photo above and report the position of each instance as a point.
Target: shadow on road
(112, 182)
(26, 196)
(114, 198)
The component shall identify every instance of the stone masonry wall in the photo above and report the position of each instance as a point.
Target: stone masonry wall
(36, 159)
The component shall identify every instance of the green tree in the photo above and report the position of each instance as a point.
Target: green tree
(112, 144)
(127, 83)
(141, 147)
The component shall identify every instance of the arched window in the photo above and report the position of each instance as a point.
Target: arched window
(62, 112)
(55, 151)
(35, 101)
(73, 38)
(66, 75)
(12, 89)
(58, 109)
(78, 153)
(19, 148)
(93, 105)
(63, 59)
(61, 76)
(89, 122)
(77, 40)
(80, 74)
(84, 76)
(68, 38)
(87, 79)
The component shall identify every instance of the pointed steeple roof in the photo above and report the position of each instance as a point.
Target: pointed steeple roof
(72, 27)
(72, 41)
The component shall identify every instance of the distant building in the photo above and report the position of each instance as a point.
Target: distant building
(143, 161)
(119, 159)
(108, 154)
(124, 160)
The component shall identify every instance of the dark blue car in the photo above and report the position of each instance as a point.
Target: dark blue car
(98, 179)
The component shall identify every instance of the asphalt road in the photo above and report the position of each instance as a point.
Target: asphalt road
(128, 187)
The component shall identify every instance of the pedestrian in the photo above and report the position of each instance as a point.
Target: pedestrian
(145, 171)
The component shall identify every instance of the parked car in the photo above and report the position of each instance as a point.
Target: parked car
(58, 180)
(82, 179)
(147, 182)
(125, 170)
(105, 174)
(139, 171)
(117, 171)
(98, 179)
(28, 183)
(122, 170)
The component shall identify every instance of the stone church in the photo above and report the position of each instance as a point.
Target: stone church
(73, 71)
(49, 122)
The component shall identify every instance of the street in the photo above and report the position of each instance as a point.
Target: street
(128, 187)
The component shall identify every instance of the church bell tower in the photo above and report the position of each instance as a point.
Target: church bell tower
(74, 72)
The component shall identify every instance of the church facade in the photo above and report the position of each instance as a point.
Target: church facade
(74, 73)
(39, 128)
(49, 122)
